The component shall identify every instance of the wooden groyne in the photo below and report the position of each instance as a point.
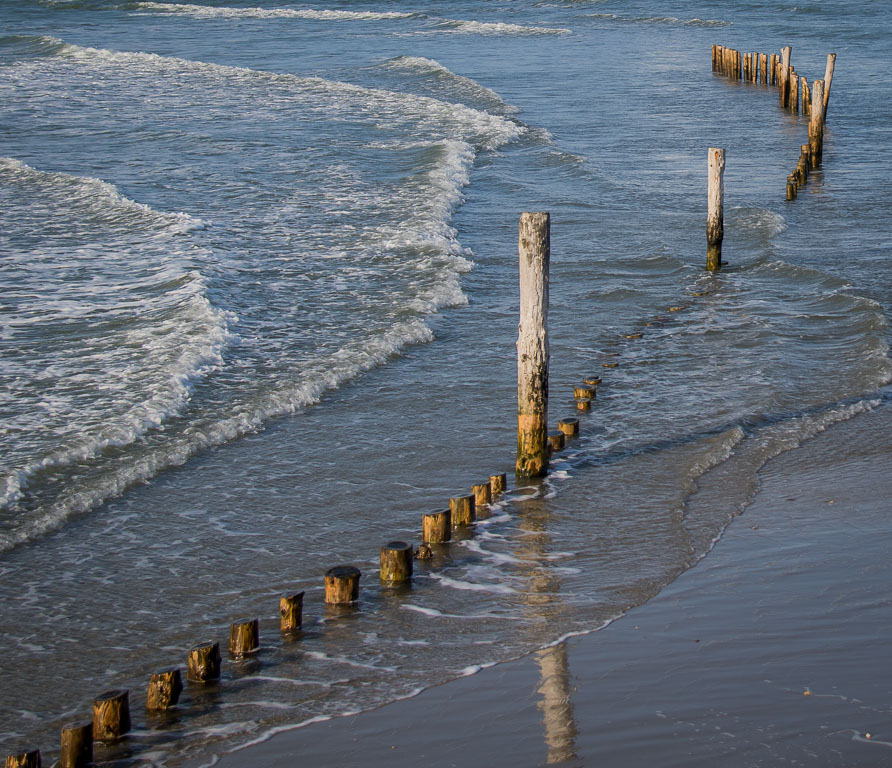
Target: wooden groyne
(794, 94)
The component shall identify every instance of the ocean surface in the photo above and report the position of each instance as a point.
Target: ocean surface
(259, 307)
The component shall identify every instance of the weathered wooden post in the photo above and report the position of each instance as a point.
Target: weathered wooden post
(77, 745)
(828, 78)
(816, 126)
(785, 76)
(244, 637)
(772, 67)
(482, 494)
(342, 585)
(763, 65)
(111, 715)
(498, 483)
(24, 760)
(534, 249)
(396, 562)
(792, 187)
(463, 509)
(585, 390)
(794, 92)
(436, 527)
(715, 217)
(570, 427)
(164, 689)
(291, 608)
(806, 98)
(557, 440)
(203, 662)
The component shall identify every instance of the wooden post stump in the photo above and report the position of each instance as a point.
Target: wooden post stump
(570, 427)
(593, 380)
(816, 126)
(794, 92)
(463, 509)
(772, 67)
(557, 440)
(498, 483)
(111, 715)
(583, 404)
(828, 79)
(785, 76)
(77, 745)
(342, 585)
(436, 527)
(763, 65)
(203, 662)
(291, 609)
(396, 562)
(482, 494)
(164, 689)
(585, 390)
(791, 187)
(715, 217)
(24, 760)
(244, 637)
(534, 250)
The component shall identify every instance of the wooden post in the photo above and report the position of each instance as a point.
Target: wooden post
(396, 562)
(570, 427)
(436, 527)
(794, 92)
(585, 390)
(772, 70)
(77, 745)
(804, 159)
(593, 380)
(806, 98)
(534, 248)
(24, 760)
(291, 608)
(164, 689)
(463, 509)
(111, 715)
(785, 76)
(244, 637)
(558, 440)
(498, 483)
(482, 494)
(342, 585)
(828, 78)
(791, 187)
(816, 126)
(715, 216)
(763, 65)
(583, 404)
(203, 662)
(714, 52)
(746, 66)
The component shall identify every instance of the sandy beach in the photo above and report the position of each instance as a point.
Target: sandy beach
(771, 651)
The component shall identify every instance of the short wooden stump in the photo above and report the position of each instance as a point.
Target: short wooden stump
(396, 562)
(342, 585)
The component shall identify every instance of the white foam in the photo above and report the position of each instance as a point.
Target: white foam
(472, 27)
(471, 586)
(208, 12)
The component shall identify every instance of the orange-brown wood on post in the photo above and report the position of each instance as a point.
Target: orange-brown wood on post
(111, 715)
(436, 527)
(164, 689)
(534, 250)
(342, 585)
(498, 483)
(244, 637)
(77, 745)
(203, 662)
(291, 608)
(785, 76)
(828, 79)
(463, 509)
(396, 562)
(23, 760)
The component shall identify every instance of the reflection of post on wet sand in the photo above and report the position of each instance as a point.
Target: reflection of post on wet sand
(556, 705)
(543, 601)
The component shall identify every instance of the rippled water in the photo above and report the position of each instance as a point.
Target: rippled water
(259, 314)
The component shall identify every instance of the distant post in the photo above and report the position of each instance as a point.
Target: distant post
(715, 217)
(828, 78)
(534, 249)
(816, 125)
(785, 76)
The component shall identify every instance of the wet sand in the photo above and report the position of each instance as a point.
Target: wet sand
(772, 651)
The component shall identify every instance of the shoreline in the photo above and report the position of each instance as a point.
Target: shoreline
(767, 651)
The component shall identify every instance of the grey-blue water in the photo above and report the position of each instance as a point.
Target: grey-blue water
(258, 313)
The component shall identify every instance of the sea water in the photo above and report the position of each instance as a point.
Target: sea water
(258, 313)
